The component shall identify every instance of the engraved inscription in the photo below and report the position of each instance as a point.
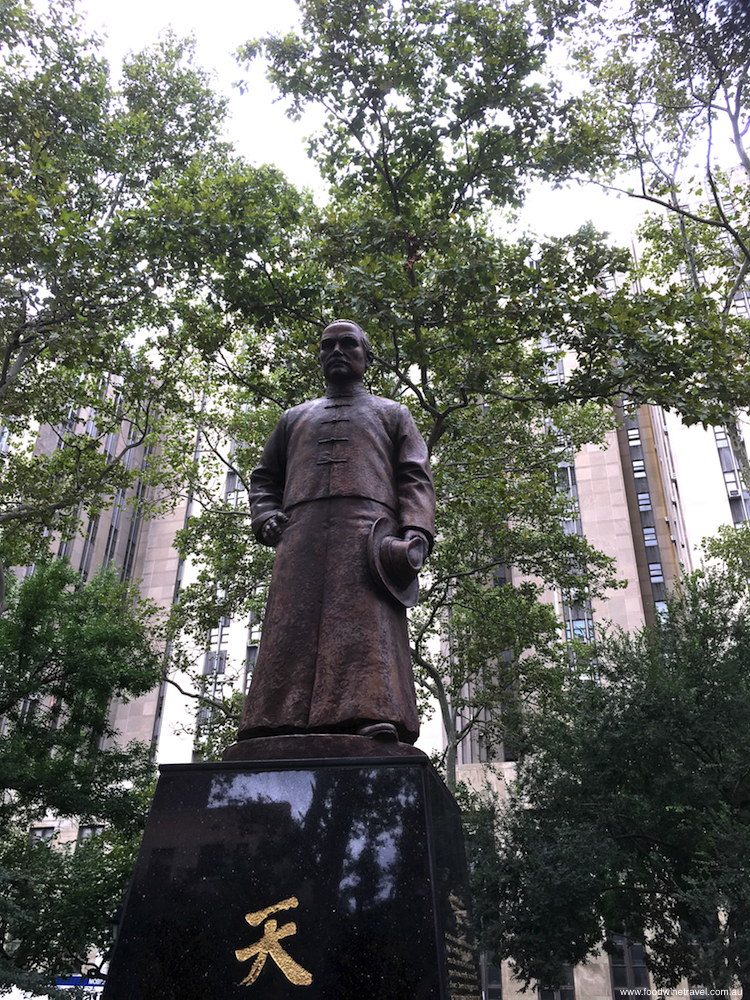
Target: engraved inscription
(269, 945)
(463, 981)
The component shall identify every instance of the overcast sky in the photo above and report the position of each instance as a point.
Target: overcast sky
(258, 126)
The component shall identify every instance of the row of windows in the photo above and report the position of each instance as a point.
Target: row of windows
(579, 621)
(655, 572)
(627, 963)
(722, 438)
(736, 491)
(742, 302)
(45, 834)
(214, 665)
(650, 539)
(627, 967)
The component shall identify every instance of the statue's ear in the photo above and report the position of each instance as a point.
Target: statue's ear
(370, 357)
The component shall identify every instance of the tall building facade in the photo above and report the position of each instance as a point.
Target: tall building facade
(647, 499)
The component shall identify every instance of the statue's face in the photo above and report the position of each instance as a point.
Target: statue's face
(343, 356)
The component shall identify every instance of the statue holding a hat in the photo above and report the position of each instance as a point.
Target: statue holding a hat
(343, 491)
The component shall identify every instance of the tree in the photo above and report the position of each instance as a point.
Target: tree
(668, 84)
(97, 297)
(60, 902)
(435, 119)
(630, 808)
(66, 650)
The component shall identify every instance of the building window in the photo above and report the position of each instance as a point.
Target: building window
(42, 834)
(655, 572)
(86, 832)
(742, 301)
(634, 437)
(627, 962)
(131, 546)
(649, 536)
(88, 547)
(250, 658)
(114, 528)
(178, 581)
(566, 478)
(644, 501)
(661, 608)
(214, 668)
(722, 438)
(236, 493)
(68, 426)
(215, 664)
(565, 991)
(579, 623)
(554, 372)
(110, 445)
(66, 545)
(492, 985)
(730, 478)
(732, 484)
(639, 468)
(578, 628)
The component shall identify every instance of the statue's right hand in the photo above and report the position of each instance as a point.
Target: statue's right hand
(272, 529)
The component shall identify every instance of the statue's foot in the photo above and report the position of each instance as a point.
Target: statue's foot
(380, 731)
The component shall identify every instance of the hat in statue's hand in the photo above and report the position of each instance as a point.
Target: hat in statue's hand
(395, 562)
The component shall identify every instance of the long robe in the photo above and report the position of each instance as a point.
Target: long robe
(334, 652)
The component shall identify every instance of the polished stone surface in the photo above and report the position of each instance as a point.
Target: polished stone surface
(329, 880)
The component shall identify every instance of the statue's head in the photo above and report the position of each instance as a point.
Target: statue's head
(345, 352)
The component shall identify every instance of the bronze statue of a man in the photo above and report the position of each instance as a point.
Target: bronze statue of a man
(344, 492)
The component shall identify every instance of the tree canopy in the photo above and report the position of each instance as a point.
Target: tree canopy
(66, 650)
(668, 85)
(629, 812)
(92, 342)
(436, 116)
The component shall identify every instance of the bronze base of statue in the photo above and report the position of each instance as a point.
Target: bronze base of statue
(317, 746)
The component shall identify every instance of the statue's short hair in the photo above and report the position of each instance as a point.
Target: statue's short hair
(351, 325)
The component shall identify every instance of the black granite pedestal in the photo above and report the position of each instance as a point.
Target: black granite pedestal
(328, 878)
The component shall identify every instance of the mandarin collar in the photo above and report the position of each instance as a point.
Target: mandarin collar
(349, 390)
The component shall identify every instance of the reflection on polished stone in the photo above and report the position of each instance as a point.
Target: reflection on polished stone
(337, 880)
(294, 787)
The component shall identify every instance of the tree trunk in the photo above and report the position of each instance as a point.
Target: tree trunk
(451, 738)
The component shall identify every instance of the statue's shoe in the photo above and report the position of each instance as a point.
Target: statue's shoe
(379, 731)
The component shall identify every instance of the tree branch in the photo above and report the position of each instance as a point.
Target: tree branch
(203, 698)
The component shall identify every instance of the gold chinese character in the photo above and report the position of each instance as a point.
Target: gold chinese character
(269, 945)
